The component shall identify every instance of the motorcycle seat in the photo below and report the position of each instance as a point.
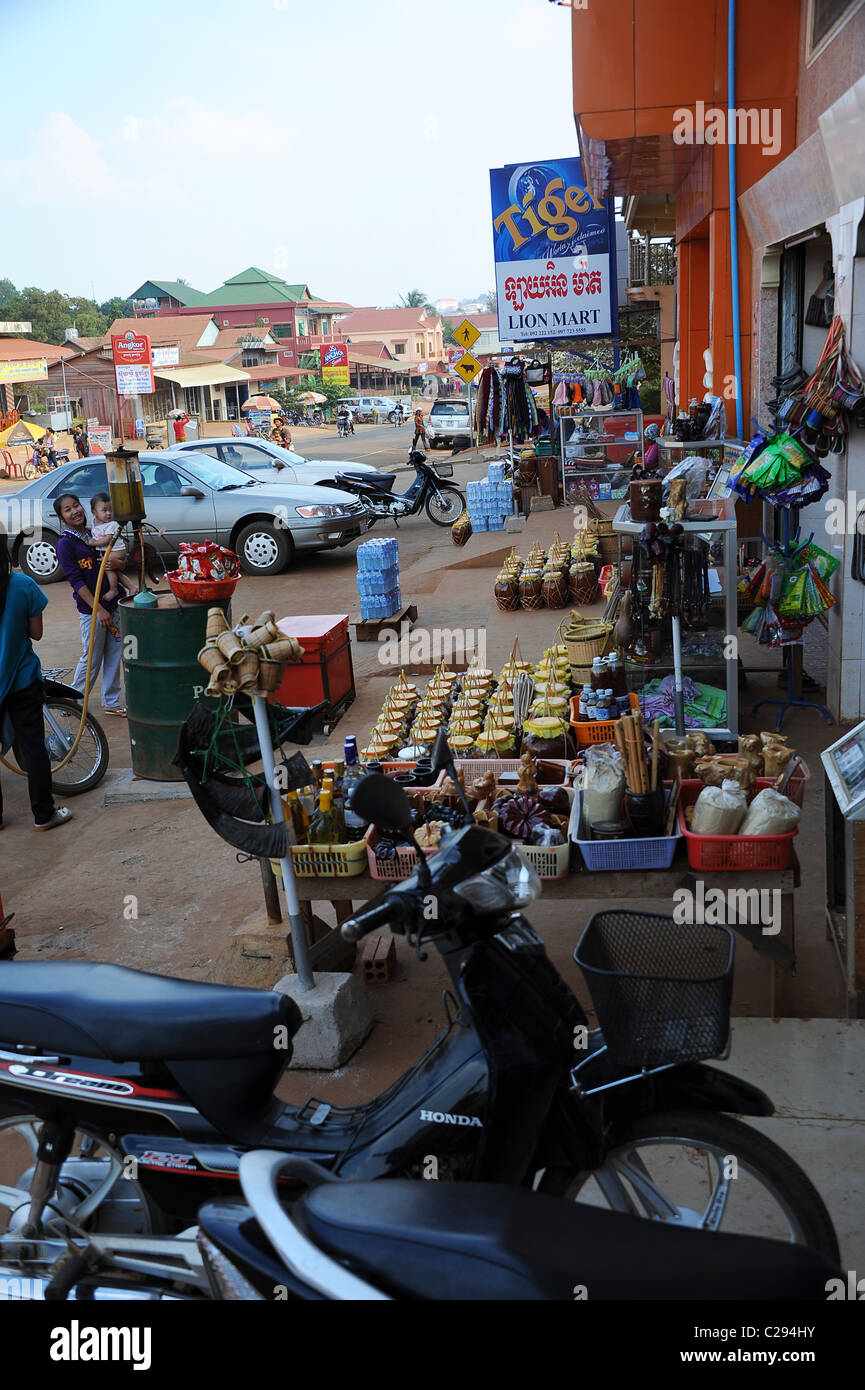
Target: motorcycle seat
(471, 1241)
(98, 1010)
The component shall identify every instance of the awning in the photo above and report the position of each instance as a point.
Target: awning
(380, 364)
(203, 374)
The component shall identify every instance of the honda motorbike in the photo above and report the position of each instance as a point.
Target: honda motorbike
(127, 1100)
(443, 501)
(456, 1241)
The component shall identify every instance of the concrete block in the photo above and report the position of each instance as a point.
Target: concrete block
(543, 504)
(336, 1019)
(515, 523)
(123, 788)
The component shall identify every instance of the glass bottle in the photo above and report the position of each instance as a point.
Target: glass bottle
(318, 773)
(299, 817)
(616, 672)
(324, 828)
(584, 694)
(355, 825)
(308, 801)
(598, 673)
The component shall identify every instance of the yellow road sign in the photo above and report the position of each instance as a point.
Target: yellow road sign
(466, 335)
(468, 367)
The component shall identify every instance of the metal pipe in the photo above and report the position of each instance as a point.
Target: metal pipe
(734, 212)
(300, 948)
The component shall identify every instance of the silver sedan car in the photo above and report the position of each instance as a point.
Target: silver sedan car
(268, 461)
(190, 497)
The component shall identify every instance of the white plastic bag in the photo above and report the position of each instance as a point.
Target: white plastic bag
(719, 810)
(770, 813)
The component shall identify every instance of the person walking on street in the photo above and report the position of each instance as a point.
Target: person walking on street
(419, 430)
(21, 605)
(180, 422)
(80, 564)
(81, 442)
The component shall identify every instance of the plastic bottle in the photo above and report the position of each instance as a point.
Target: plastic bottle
(591, 705)
(598, 673)
(584, 693)
(616, 674)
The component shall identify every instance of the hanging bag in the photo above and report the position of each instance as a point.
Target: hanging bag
(535, 373)
(821, 305)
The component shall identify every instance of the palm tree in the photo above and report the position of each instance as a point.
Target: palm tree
(415, 299)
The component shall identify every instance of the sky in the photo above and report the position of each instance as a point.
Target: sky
(338, 143)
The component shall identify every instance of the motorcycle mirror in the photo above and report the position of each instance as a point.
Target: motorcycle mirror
(382, 801)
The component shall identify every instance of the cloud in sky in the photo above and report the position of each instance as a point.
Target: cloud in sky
(352, 142)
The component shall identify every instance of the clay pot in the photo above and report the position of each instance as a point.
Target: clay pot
(507, 595)
(584, 583)
(531, 593)
(556, 591)
(528, 470)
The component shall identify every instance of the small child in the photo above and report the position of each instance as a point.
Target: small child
(102, 532)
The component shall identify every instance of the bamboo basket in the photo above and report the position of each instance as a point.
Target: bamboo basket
(590, 643)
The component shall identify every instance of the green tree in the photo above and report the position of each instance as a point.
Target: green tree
(116, 308)
(448, 326)
(415, 299)
(8, 299)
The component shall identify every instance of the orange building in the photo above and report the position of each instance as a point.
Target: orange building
(652, 81)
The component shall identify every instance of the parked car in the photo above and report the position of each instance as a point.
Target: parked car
(191, 497)
(449, 423)
(363, 407)
(269, 462)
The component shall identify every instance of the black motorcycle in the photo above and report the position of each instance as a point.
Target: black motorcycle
(443, 501)
(133, 1097)
(407, 1240)
(61, 706)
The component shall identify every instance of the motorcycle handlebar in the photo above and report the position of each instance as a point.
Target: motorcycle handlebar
(353, 928)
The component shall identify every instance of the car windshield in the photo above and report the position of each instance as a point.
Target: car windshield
(214, 474)
(459, 408)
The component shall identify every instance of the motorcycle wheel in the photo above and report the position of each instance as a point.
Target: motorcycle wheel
(90, 763)
(690, 1152)
(93, 1190)
(445, 506)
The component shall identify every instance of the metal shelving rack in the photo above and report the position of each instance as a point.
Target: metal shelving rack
(710, 519)
(591, 450)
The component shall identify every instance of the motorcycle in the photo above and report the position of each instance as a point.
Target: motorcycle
(407, 1240)
(133, 1097)
(345, 426)
(397, 417)
(61, 706)
(443, 502)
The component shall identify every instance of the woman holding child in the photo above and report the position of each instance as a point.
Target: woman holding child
(80, 558)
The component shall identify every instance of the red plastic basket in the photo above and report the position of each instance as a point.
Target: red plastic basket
(200, 590)
(727, 853)
(596, 730)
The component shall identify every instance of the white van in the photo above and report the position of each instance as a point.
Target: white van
(449, 423)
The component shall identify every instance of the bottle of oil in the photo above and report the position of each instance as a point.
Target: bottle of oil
(299, 817)
(318, 773)
(324, 829)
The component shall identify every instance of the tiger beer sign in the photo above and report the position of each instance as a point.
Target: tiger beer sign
(554, 253)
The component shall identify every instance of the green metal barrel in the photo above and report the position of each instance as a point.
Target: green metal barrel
(163, 678)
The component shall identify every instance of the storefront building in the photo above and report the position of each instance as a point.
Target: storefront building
(654, 124)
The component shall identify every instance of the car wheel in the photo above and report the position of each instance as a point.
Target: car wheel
(263, 549)
(38, 558)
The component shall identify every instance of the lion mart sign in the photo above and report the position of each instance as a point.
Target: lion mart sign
(553, 248)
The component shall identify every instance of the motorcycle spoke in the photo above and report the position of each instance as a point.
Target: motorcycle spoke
(717, 1203)
(655, 1204)
(617, 1195)
(86, 1208)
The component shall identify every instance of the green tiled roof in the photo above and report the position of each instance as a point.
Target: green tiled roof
(185, 294)
(255, 286)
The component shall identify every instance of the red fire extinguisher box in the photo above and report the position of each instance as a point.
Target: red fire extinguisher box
(325, 671)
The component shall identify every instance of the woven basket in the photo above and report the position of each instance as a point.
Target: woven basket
(583, 649)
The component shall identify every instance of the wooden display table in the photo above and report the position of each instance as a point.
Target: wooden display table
(635, 889)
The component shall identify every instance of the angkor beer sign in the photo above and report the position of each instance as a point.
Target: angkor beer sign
(133, 363)
(554, 253)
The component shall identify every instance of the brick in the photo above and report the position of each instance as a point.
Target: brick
(379, 957)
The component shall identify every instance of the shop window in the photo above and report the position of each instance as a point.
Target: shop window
(825, 19)
(283, 330)
(399, 349)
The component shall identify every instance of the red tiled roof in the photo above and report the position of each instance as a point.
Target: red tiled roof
(25, 349)
(274, 373)
(386, 321)
(374, 347)
(168, 330)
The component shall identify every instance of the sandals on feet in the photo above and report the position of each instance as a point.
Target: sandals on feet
(117, 710)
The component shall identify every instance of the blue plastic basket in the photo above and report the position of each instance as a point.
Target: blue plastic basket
(605, 856)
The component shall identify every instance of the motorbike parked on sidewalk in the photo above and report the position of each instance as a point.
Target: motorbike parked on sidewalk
(443, 501)
(407, 1240)
(132, 1097)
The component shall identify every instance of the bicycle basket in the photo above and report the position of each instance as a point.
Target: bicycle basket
(661, 989)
